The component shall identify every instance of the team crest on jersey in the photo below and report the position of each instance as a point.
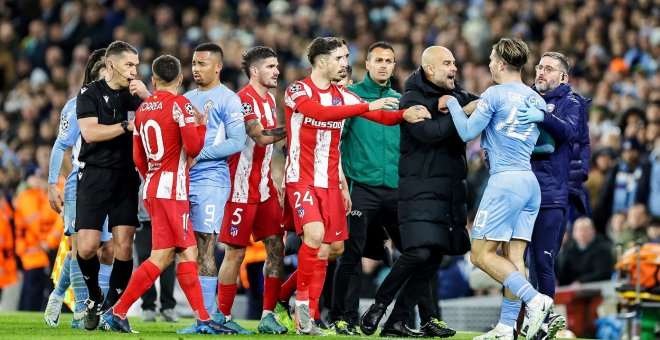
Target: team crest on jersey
(336, 101)
(208, 105)
(176, 112)
(233, 231)
(189, 109)
(301, 212)
(295, 87)
(247, 108)
(551, 107)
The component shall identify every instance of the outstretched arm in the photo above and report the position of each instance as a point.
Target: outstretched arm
(468, 127)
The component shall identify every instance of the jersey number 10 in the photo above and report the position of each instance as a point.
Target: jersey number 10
(157, 154)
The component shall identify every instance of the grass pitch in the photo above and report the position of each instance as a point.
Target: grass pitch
(31, 325)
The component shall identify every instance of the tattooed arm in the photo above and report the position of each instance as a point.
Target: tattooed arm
(263, 137)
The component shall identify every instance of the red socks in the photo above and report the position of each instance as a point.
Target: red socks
(306, 268)
(316, 287)
(226, 295)
(186, 272)
(288, 287)
(271, 292)
(143, 278)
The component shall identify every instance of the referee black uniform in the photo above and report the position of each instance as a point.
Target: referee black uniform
(107, 180)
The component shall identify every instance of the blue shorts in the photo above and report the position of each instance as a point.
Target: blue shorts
(207, 207)
(70, 222)
(509, 207)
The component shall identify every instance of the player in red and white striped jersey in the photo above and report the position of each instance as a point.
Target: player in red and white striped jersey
(315, 110)
(165, 134)
(253, 207)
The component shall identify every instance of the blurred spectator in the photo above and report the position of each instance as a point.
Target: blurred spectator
(653, 231)
(623, 185)
(601, 162)
(7, 259)
(587, 258)
(453, 278)
(634, 228)
(654, 180)
(38, 231)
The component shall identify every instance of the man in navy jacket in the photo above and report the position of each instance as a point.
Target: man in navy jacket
(564, 122)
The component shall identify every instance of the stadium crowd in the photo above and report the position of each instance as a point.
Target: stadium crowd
(613, 49)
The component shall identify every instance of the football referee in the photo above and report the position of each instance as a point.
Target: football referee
(107, 181)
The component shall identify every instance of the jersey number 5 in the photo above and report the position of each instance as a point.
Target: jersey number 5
(157, 154)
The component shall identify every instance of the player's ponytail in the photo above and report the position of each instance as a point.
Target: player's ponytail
(97, 55)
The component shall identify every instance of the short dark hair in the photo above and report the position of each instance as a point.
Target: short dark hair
(655, 221)
(560, 57)
(118, 47)
(166, 68)
(96, 70)
(512, 50)
(380, 44)
(256, 55)
(210, 47)
(96, 56)
(323, 46)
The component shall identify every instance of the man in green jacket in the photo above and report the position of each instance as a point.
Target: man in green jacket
(370, 159)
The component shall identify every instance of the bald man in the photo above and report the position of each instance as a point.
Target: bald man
(432, 199)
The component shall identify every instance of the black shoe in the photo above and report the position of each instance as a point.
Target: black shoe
(435, 328)
(371, 318)
(93, 315)
(399, 329)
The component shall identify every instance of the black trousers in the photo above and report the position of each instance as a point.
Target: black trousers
(374, 208)
(411, 276)
(255, 293)
(371, 206)
(167, 277)
(33, 292)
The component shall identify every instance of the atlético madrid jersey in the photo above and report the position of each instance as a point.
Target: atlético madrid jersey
(160, 122)
(250, 169)
(313, 145)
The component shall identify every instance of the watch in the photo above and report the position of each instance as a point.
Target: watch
(124, 125)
